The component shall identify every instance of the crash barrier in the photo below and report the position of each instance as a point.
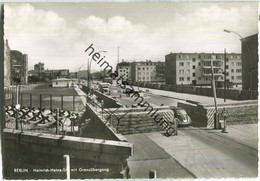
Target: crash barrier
(108, 101)
(43, 120)
(50, 101)
(243, 112)
(84, 153)
(229, 94)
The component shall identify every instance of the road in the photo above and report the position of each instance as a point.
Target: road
(196, 153)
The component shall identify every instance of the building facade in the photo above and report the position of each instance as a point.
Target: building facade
(250, 62)
(124, 69)
(57, 73)
(7, 64)
(19, 67)
(195, 68)
(147, 71)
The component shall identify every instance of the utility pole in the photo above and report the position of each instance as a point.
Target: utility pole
(216, 125)
(225, 74)
(118, 55)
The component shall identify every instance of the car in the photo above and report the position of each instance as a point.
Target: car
(182, 116)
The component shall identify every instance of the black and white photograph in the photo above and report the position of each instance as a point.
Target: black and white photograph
(129, 90)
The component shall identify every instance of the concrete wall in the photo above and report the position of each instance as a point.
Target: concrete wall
(230, 94)
(135, 120)
(108, 101)
(245, 112)
(103, 153)
(99, 123)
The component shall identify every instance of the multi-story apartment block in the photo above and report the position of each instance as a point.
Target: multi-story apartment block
(250, 62)
(124, 69)
(147, 71)
(195, 68)
(7, 62)
(19, 67)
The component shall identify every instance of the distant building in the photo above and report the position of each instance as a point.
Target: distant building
(39, 69)
(19, 67)
(250, 57)
(147, 71)
(7, 64)
(57, 73)
(124, 69)
(195, 68)
(64, 82)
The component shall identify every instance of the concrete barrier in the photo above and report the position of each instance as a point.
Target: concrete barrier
(102, 151)
(244, 112)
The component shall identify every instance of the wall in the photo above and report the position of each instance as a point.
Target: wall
(245, 112)
(108, 101)
(101, 153)
(136, 120)
(230, 94)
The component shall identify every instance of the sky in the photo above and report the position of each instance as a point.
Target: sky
(57, 34)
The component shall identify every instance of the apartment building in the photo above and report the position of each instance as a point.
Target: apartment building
(195, 68)
(147, 71)
(124, 69)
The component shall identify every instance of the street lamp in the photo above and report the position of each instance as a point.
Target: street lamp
(77, 70)
(17, 80)
(89, 68)
(250, 60)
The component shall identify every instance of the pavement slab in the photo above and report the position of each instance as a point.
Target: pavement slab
(208, 155)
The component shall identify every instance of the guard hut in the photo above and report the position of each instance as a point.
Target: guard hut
(62, 82)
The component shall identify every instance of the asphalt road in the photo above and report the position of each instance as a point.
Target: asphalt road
(195, 153)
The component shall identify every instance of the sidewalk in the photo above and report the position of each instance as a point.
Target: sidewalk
(208, 153)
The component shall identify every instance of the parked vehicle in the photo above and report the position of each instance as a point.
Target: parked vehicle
(104, 87)
(182, 116)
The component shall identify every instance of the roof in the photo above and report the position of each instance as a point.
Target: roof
(61, 80)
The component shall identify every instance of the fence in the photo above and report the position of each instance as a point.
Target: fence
(48, 101)
(43, 120)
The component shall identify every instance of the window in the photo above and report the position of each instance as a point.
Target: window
(187, 56)
(143, 68)
(188, 78)
(193, 67)
(181, 71)
(239, 77)
(199, 63)
(232, 57)
(232, 77)
(138, 68)
(193, 59)
(188, 71)
(238, 56)
(199, 78)
(238, 63)
(199, 56)
(56, 83)
(233, 63)
(188, 63)
(147, 68)
(238, 70)
(193, 74)
(232, 70)
(181, 78)
(181, 64)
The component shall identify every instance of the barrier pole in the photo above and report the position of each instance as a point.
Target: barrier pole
(67, 157)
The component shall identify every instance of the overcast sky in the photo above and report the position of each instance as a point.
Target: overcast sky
(58, 33)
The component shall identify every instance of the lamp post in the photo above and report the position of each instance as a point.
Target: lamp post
(89, 68)
(78, 73)
(250, 60)
(17, 80)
